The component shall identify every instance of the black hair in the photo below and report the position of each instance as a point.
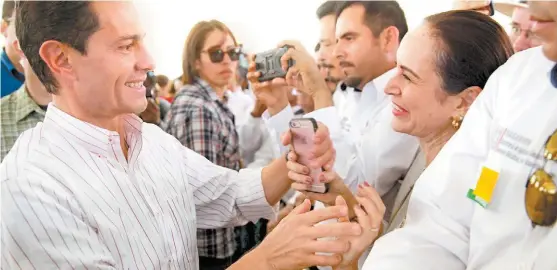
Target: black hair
(379, 15)
(471, 47)
(327, 8)
(69, 22)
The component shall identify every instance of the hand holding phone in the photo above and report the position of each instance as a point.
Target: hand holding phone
(303, 131)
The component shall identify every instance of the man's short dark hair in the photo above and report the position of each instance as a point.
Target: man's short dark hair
(7, 9)
(379, 15)
(69, 22)
(327, 8)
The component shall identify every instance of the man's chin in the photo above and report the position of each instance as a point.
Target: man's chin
(353, 82)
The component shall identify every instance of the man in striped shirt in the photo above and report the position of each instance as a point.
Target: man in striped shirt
(93, 187)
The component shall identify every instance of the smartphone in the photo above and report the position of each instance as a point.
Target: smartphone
(303, 131)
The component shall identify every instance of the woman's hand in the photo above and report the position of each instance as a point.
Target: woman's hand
(369, 213)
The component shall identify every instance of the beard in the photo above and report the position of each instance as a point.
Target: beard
(353, 82)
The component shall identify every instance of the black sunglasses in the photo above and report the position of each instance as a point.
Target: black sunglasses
(216, 55)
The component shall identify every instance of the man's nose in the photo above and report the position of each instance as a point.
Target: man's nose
(145, 60)
(521, 43)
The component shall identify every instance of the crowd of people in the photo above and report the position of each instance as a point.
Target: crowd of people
(437, 144)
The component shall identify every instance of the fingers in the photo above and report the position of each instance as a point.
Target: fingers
(323, 260)
(371, 218)
(322, 214)
(289, 55)
(321, 134)
(340, 201)
(326, 198)
(328, 246)
(323, 156)
(328, 176)
(297, 167)
(304, 207)
(336, 229)
(253, 75)
(368, 191)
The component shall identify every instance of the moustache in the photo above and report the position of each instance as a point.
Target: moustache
(332, 79)
(346, 64)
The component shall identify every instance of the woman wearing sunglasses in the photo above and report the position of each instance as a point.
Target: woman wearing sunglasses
(201, 120)
(431, 94)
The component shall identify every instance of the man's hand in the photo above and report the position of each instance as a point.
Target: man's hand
(304, 75)
(323, 153)
(285, 211)
(293, 243)
(271, 93)
(258, 109)
(152, 113)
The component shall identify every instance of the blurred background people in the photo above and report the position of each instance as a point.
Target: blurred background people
(521, 33)
(201, 119)
(12, 76)
(22, 109)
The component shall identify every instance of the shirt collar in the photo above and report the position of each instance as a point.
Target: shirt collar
(207, 90)
(97, 140)
(25, 105)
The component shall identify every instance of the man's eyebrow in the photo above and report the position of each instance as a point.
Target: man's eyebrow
(135, 37)
(405, 68)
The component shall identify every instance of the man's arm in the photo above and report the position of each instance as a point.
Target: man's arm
(439, 214)
(226, 198)
(43, 228)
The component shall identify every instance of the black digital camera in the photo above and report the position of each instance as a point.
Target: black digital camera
(268, 64)
(150, 84)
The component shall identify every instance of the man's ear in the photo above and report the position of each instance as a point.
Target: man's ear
(389, 39)
(56, 56)
(466, 98)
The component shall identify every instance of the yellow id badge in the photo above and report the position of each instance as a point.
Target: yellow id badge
(484, 187)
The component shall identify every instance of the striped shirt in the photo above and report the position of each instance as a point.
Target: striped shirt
(19, 112)
(71, 200)
(204, 124)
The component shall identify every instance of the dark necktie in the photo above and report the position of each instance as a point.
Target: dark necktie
(553, 76)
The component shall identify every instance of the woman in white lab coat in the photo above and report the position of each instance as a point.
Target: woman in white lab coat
(442, 67)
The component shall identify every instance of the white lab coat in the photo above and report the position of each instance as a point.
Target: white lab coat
(505, 128)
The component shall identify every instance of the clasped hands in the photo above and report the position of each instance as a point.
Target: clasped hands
(298, 241)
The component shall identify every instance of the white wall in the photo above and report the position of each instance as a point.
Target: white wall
(167, 23)
(274, 21)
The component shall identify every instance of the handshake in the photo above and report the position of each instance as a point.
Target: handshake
(299, 241)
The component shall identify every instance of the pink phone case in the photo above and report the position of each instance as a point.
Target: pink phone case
(302, 130)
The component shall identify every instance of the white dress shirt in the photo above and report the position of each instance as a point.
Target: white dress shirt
(70, 199)
(505, 129)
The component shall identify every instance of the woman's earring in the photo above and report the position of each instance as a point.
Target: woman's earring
(457, 121)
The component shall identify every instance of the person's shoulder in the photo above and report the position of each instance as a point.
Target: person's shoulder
(526, 62)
